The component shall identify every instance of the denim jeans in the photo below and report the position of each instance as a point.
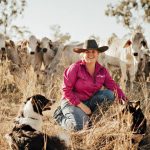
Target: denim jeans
(74, 118)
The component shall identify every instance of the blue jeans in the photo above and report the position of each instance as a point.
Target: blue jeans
(74, 118)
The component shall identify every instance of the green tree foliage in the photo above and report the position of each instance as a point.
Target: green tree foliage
(9, 11)
(130, 12)
(58, 35)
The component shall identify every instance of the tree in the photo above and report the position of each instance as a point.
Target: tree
(130, 12)
(58, 36)
(10, 10)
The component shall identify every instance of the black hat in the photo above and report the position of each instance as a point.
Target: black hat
(90, 44)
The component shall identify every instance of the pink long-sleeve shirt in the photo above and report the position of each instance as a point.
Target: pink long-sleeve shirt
(79, 85)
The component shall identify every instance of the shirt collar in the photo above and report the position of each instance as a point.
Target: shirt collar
(98, 65)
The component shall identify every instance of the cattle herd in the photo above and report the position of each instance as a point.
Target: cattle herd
(130, 54)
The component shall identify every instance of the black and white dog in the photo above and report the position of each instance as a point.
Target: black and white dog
(26, 133)
(138, 121)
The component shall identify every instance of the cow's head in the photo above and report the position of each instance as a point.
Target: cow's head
(128, 44)
(139, 43)
(9, 44)
(33, 45)
(23, 45)
(46, 44)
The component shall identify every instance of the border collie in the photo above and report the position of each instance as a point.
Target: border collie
(26, 133)
(138, 121)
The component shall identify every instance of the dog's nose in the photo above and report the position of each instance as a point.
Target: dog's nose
(49, 104)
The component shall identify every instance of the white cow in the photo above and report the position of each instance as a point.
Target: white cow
(124, 53)
(69, 56)
(48, 51)
(35, 53)
(64, 57)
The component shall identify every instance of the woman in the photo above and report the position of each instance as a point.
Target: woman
(82, 85)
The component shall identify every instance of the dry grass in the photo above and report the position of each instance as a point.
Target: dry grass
(107, 133)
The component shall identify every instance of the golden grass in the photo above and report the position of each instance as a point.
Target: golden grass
(107, 133)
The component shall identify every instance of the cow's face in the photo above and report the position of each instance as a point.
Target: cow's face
(136, 45)
(46, 44)
(139, 43)
(33, 45)
(127, 45)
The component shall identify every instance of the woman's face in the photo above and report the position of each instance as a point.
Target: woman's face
(90, 56)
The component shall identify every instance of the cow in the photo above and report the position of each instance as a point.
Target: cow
(69, 56)
(2, 46)
(124, 53)
(48, 51)
(11, 52)
(64, 57)
(35, 53)
(143, 73)
(8, 50)
(23, 54)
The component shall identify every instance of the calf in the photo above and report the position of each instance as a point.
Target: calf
(35, 53)
(64, 57)
(143, 73)
(48, 51)
(124, 53)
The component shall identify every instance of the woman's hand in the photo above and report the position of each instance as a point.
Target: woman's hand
(85, 108)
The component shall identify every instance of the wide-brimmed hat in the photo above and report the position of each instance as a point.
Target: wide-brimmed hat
(90, 44)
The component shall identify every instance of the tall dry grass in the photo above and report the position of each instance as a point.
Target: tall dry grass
(109, 131)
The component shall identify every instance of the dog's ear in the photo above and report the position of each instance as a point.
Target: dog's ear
(137, 105)
(134, 105)
(27, 100)
(37, 106)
